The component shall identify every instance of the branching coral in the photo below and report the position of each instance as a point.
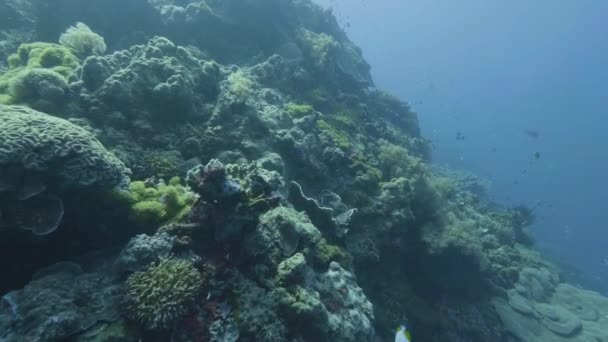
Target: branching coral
(160, 295)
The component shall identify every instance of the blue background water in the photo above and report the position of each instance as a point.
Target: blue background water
(491, 69)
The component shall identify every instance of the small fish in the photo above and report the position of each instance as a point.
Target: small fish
(532, 133)
(537, 155)
(459, 136)
(493, 149)
(402, 334)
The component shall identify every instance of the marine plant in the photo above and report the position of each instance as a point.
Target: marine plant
(162, 293)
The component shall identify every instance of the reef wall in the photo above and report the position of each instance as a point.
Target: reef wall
(226, 170)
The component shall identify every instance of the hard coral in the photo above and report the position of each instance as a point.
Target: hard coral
(37, 72)
(82, 41)
(161, 294)
(157, 203)
(55, 149)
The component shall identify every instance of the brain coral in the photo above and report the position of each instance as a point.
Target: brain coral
(56, 149)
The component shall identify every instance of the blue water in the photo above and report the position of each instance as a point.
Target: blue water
(490, 70)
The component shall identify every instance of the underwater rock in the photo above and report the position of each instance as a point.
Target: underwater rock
(322, 217)
(280, 233)
(536, 283)
(211, 181)
(558, 319)
(143, 250)
(351, 315)
(520, 304)
(257, 316)
(223, 328)
(587, 305)
(59, 303)
(539, 308)
(291, 270)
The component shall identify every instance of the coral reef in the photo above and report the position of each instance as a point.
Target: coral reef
(310, 209)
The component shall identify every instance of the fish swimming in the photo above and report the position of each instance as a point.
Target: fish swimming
(532, 133)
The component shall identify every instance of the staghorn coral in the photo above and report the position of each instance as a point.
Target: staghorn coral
(162, 293)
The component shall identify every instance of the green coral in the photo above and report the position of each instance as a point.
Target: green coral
(396, 161)
(36, 86)
(161, 294)
(37, 72)
(323, 253)
(156, 204)
(44, 55)
(297, 111)
(240, 85)
(332, 135)
(304, 311)
(319, 47)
